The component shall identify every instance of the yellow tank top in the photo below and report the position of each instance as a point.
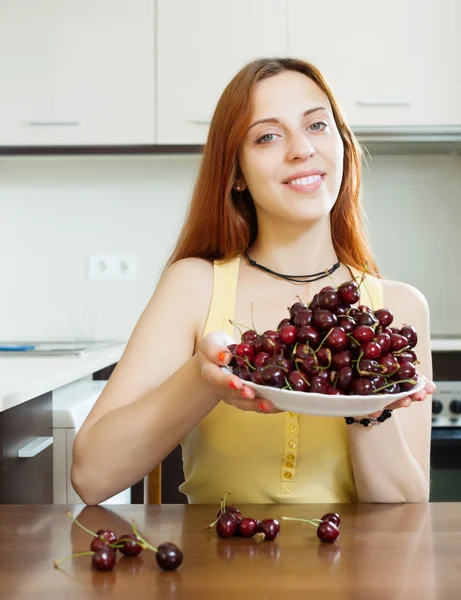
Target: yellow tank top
(275, 458)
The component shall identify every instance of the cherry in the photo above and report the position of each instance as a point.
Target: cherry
(384, 316)
(297, 381)
(270, 344)
(409, 356)
(337, 340)
(273, 376)
(368, 366)
(242, 352)
(328, 298)
(270, 528)
(168, 556)
(314, 302)
(257, 377)
(406, 371)
(384, 340)
(342, 359)
(307, 333)
(389, 364)
(398, 342)
(309, 365)
(347, 323)
(342, 309)
(345, 378)
(362, 387)
(104, 559)
(248, 527)
(349, 292)
(295, 309)
(284, 322)
(250, 336)
(409, 332)
(367, 319)
(327, 531)
(304, 317)
(318, 385)
(97, 543)
(226, 526)
(129, 544)
(371, 350)
(107, 534)
(333, 517)
(324, 319)
(288, 334)
(363, 334)
(324, 357)
(261, 359)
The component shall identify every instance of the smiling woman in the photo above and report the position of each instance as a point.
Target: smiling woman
(278, 192)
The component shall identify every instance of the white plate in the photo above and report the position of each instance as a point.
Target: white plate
(331, 406)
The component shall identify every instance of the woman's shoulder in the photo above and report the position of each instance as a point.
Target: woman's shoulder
(401, 292)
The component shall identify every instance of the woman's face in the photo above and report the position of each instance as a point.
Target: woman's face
(292, 162)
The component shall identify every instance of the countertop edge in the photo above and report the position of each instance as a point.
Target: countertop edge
(74, 369)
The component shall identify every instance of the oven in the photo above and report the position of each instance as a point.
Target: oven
(446, 427)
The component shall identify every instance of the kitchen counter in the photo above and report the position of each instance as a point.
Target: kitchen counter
(25, 377)
(446, 344)
(387, 552)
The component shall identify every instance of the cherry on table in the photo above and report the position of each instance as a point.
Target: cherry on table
(129, 544)
(270, 528)
(168, 556)
(104, 559)
(248, 527)
(226, 525)
(327, 531)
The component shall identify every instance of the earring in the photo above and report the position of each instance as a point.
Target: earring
(238, 188)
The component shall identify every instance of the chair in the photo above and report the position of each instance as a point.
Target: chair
(161, 486)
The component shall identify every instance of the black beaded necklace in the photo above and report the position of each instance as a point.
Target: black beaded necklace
(295, 278)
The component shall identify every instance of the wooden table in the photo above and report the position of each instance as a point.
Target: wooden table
(402, 551)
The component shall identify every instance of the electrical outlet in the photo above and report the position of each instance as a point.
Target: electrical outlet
(113, 266)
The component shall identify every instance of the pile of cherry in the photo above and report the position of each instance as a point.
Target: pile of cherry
(230, 522)
(330, 347)
(105, 544)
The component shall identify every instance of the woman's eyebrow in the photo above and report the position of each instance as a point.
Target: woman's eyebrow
(275, 120)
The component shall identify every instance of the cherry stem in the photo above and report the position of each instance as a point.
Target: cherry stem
(297, 361)
(331, 277)
(252, 319)
(60, 560)
(138, 535)
(245, 358)
(302, 520)
(366, 289)
(224, 501)
(413, 381)
(288, 384)
(324, 340)
(82, 526)
(236, 325)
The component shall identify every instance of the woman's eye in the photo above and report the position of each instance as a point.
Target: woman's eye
(264, 138)
(320, 126)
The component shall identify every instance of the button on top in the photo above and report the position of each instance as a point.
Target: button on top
(292, 444)
(289, 465)
(292, 428)
(290, 457)
(287, 475)
(292, 414)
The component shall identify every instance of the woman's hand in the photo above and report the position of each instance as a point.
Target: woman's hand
(428, 389)
(213, 354)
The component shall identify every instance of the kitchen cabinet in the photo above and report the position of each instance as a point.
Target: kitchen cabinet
(27, 429)
(393, 63)
(77, 73)
(201, 45)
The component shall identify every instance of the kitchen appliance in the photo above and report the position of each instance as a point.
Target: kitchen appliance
(71, 405)
(446, 427)
(55, 348)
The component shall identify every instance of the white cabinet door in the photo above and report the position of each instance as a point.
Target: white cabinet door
(201, 45)
(77, 72)
(396, 62)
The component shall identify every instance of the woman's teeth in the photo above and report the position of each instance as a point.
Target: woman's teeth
(306, 180)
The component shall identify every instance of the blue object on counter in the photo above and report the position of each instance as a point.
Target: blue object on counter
(16, 348)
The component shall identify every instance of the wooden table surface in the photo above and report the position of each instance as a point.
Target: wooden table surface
(402, 551)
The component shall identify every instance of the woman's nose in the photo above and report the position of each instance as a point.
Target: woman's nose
(300, 147)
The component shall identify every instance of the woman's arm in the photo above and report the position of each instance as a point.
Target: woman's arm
(156, 394)
(391, 461)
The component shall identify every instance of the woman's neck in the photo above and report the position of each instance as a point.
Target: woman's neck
(293, 252)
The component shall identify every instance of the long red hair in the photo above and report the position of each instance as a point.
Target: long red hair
(221, 223)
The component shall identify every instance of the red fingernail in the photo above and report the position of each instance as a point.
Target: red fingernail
(232, 385)
(244, 393)
(261, 406)
(222, 356)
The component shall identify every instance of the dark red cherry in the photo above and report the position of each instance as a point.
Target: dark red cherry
(327, 531)
(104, 559)
(270, 528)
(168, 556)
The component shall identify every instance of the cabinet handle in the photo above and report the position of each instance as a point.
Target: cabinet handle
(64, 123)
(383, 103)
(35, 447)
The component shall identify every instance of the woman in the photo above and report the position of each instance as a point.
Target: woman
(278, 185)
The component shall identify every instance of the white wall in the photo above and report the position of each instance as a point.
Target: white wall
(54, 212)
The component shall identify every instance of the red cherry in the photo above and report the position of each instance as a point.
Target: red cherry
(270, 528)
(333, 517)
(327, 531)
(248, 527)
(104, 559)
